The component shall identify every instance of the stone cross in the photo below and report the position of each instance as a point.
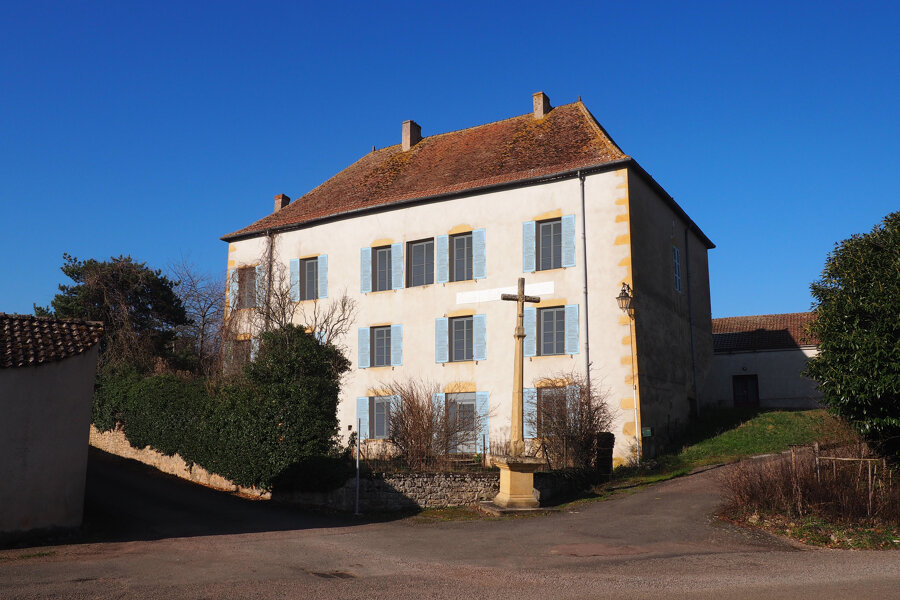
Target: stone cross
(517, 429)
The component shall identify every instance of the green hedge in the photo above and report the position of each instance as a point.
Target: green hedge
(282, 412)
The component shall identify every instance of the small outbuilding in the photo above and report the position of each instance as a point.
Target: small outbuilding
(758, 361)
(47, 369)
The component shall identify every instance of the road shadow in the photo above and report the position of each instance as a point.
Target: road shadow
(126, 500)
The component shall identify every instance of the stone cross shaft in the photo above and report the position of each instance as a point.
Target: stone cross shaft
(517, 428)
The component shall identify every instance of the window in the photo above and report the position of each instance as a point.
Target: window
(381, 268)
(461, 420)
(549, 244)
(309, 279)
(461, 337)
(461, 257)
(420, 269)
(246, 289)
(237, 354)
(381, 346)
(676, 263)
(551, 331)
(551, 411)
(380, 420)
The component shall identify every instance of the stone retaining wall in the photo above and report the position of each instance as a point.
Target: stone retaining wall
(398, 491)
(114, 442)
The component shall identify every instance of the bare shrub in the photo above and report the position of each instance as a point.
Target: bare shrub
(425, 432)
(567, 415)
(849, 485)
(204, 304)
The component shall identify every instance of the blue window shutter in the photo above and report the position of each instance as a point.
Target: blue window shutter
(480, 337)
(530, 322)
(396, 266)
(260, 285)
(528, 246)
(529, 409)
(568, 240)
(571, 329)
(483, 409)
(254, 348)
(365, 270)
(320, 336)
(443, 258)
(295, 280)
(438, 400)
(364, 354)
(362, 414)
(232, 288)
(323, 276)
(479, 262)
(441, 341)
(396, 345)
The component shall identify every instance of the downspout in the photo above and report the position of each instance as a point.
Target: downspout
(687, 262)
(587, 331)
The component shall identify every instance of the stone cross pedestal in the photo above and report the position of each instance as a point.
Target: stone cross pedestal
(516, 470)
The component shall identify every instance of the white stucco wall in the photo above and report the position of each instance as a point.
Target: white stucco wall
(501, 214)
(778, 372)
(45, 416)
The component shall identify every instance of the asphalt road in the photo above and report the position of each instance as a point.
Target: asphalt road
(148, 535)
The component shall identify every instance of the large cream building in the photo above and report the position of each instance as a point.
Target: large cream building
(425, 235)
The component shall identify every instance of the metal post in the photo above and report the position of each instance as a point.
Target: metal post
(869, 510)
(358, 423)
(816, 454)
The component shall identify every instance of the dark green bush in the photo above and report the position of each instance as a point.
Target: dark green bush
(281, 412)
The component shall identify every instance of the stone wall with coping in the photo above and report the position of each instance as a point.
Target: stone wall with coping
(114, 442)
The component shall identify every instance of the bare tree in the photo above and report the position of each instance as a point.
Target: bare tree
(201, 295)
(276, 304)
(567, 415)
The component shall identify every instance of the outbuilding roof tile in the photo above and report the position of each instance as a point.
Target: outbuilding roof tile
(762, 332)
(26, 340)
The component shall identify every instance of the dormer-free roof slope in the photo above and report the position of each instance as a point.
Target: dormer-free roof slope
(524, 147)
(762, 332)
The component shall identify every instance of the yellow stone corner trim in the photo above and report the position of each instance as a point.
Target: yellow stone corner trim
(463, 312)
(618, 461)
(625, 360)
(623, 218)
(232, 248)
(460, 387)
(460, 229)
(625, 262)
(378, 392)
(626, 341)
(553, 214)
(626, 403)
(242, 337)
(622, 240)
(381, 242)
(628, 429)
(624, 319)
(231, 263)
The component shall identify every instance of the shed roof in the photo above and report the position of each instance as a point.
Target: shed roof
(762, 332)
(26, 340)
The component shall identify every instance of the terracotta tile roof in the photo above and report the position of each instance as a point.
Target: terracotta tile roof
(522, 147)
(762, 332)
(26, 340)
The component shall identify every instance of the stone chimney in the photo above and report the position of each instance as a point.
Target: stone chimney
(281, 201)
(412, 134)
(541, 105)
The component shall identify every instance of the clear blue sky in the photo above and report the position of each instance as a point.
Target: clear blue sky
(153, 128)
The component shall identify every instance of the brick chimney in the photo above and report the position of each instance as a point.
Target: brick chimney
(281, 201)
(412, 134)
(541, 105)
